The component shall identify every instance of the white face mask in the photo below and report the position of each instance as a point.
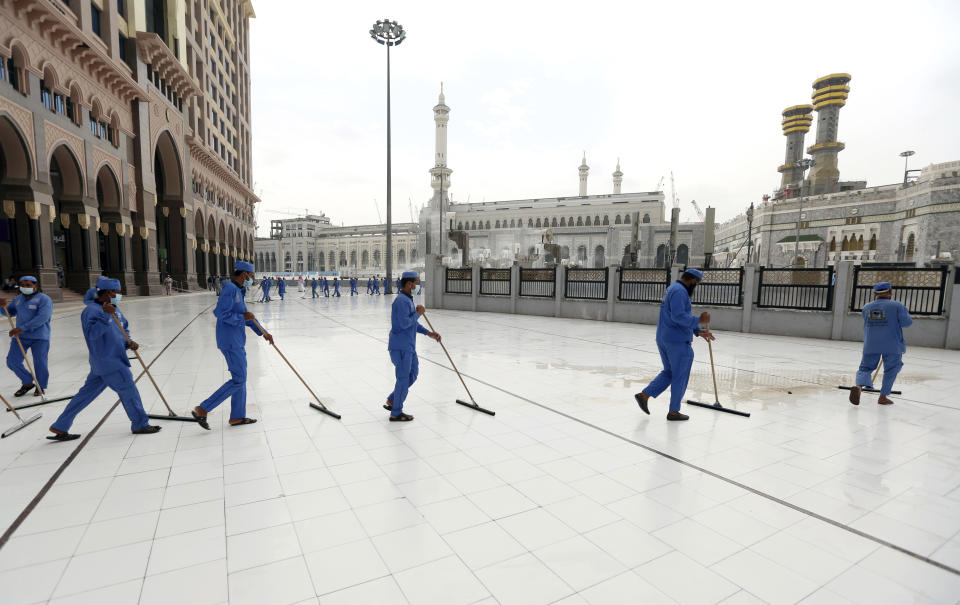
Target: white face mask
(27, 291)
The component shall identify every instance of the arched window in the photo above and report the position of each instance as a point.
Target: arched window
(844, 245)
(553, 222)
(833, 244)
(617, 220)
(596, 220)
(683, 254)
(565, 252)
(538, 223)
(353, 259)
(332, 260)
(376, 258)
(606, 219)
(661, 256)
(496, 225)
(801, 262)
(513, 223)
(321, 259)
(300, 261)
(364, 259)
(582, 254)
(530, 223)
(487, 226)
(570, 222)
(310, 264)
(860, 243)
(646, 218)
(563, 222)
(873, 241)
(473, 225)
(460, 226)
(587, 221)
(287, 263)
(579, 221)
(911, 246)
(626, 219)
(402, 257)
(598, 257)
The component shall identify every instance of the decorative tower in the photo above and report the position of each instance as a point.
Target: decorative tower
(617, 178)
(440, 174)
(829, 95)
(584, 171)
(796, 122)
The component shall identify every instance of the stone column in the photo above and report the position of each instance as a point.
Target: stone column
(749, 295)
(842, 289)
(514, 287)
(612, 289)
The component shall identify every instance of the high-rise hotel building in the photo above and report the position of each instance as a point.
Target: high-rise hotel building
(125, 140)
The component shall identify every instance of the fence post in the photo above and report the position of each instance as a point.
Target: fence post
(559, 290)
(749, 295)
(514, 286)
(611, 290)
(474, 286)
(675, 273)
(952, 309)
(842, 290)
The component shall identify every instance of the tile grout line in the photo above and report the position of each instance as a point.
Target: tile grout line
(668, 456)
(72, 456)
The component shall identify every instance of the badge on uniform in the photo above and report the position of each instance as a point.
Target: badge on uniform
(877, 315)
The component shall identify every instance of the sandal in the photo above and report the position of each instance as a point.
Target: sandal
(401, 418)
(201, 420)
(63, 437)
(37, 393)
(23, 390)
(242, 421)
(147, 430)
(388, 407)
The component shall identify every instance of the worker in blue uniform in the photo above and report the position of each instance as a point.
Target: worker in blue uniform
(384, 285)
(398, 284)
(353, 286)
(402, 345)
(326, 287)
(675, 331)
(33, 310)
(109, 365)
(336, 286)
(369, 286)
(232, 317)
(883, 323)
(281, 286)
(376, 285)
(313, 288)
(265, 287)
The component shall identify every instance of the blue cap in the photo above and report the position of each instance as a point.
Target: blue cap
(29, 278)
(242, 265)
(108, 283)
(883, 286)
(694, 272)
(410, 275)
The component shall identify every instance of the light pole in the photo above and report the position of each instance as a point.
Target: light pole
(750, 233)
(906, 158)
(803, 164)
(389, 33)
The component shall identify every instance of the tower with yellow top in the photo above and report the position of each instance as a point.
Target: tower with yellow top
(829, 95)
(796, 122)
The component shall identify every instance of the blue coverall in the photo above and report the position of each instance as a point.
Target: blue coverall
(376, 286)
(33, 317)
(109, 367)
(402, 347)
(369, 286)
(353, 286)
(313, 288)
(231, 338)
(326, 287)
(265, 286)
(883, 323)
(384, 285)
(675, 331)
(336, 286)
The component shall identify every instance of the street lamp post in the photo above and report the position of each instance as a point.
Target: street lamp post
(389, 33)
(906, 158)
(803, 164)
(750, 233)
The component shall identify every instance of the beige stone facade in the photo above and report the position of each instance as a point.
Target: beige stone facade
(124, 140)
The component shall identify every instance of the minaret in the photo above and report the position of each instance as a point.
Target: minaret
(829, 95)
(796, 122)
(617, 178)
(440, 174)
(584, 171)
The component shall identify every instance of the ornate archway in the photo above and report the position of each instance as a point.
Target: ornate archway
(171, 216)
(111, 244)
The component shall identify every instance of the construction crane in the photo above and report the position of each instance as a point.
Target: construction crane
(696, 207)
(659, 184)
(290, 212)
(412, 219)
(379, 218)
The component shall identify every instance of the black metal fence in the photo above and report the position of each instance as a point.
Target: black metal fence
(804, 289)
(643, 285)
(541, 283)
(721, 287)
(921, 290)
(586, 284)
(459, 281)
(495, 282)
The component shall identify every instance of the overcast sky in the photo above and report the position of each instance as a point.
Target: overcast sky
(690, 87)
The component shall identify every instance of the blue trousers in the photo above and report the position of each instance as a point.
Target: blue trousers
(122, 383)
(677, 358)
(315, 295)
(266, 295)
(892, 363)
(336, 290)
(15, 360)
(281, 293)
(235, 388)
(407, 367)
(353, 290)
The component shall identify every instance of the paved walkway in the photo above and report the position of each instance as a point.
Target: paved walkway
(569, 494)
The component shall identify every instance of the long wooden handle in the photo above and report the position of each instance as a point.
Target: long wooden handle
(472, 400)
(23, 352)
(716, 395)
(284, 357)
(880, 365)
(137, 353)
(12, 409)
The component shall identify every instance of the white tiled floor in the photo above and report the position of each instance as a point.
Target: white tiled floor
(563, 497)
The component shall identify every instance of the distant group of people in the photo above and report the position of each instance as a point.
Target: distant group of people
(321, 285)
